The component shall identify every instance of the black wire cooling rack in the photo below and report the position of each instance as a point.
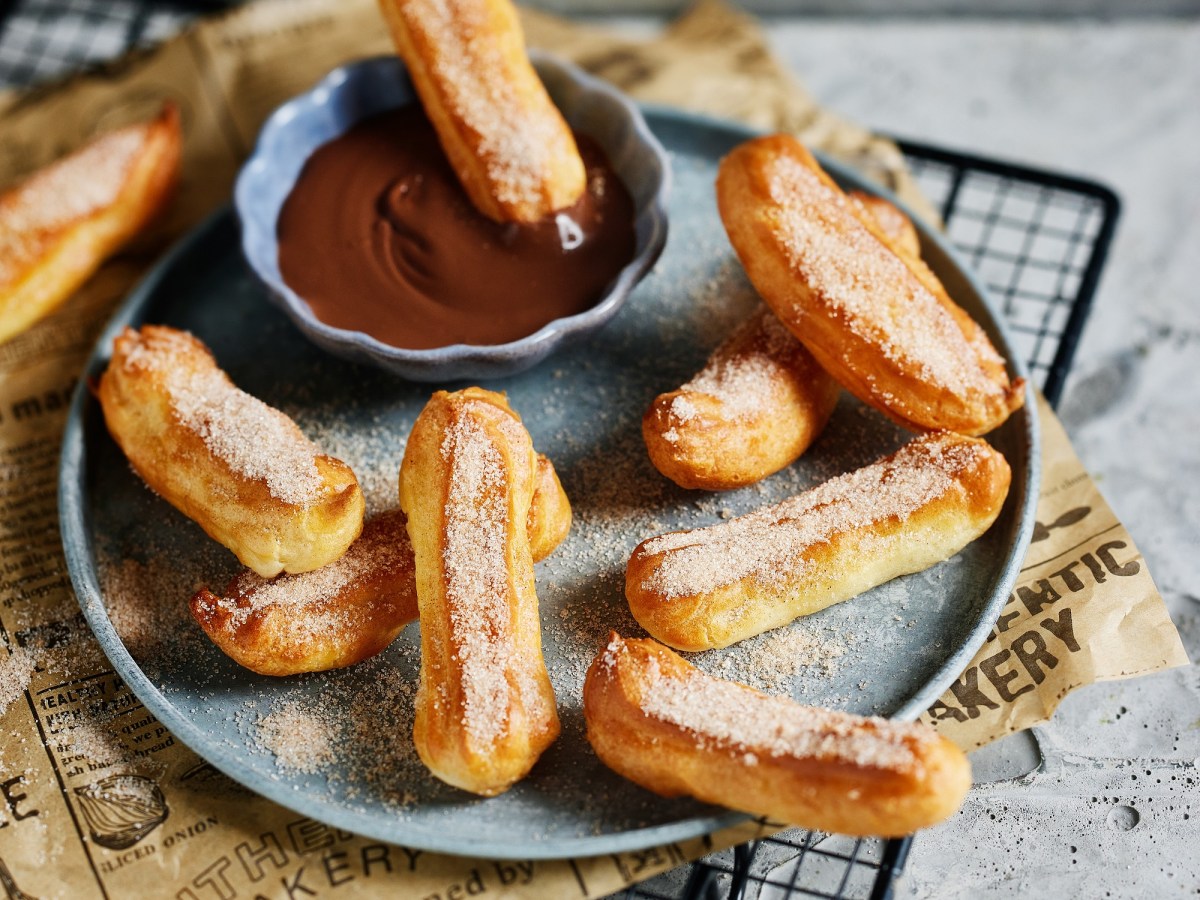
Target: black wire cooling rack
(1038, 240)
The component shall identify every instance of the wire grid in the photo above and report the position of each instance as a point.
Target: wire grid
(1037, 239)
(792, 864)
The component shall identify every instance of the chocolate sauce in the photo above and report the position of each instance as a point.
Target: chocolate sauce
(379, 236)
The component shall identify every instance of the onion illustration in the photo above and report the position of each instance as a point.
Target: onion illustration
(122, 809)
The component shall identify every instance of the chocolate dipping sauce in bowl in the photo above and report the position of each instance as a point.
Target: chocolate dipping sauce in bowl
(356, 224)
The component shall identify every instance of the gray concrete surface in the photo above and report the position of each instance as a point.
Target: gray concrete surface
(1104, 801)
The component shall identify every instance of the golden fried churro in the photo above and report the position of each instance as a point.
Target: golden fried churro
(713, 586)
(59, 225)
(238, 467)
(660, 722)
(331, 617)
(755, 407)
(512, 150)
(877, 320)
(353, 608)
(485, 707)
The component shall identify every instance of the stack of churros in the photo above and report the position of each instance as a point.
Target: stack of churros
(352, 608)
(876, 319)
(850, 303)
(761, 399)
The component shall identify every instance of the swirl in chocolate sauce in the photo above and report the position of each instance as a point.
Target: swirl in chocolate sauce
(378, 236)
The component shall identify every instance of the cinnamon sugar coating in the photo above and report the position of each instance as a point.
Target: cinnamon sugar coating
(239, 468)
(756, 406)
(711, 587)
(331, 617)
(876, 319)
(894, 226)
(59, 225)
(660, 722)
(761, 399)
(485, 707)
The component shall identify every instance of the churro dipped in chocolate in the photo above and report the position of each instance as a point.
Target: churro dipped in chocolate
(508, 143)
(711, 587)
(662, 723)
(59, 225)
(239, 468)
(485, 707)
(876, 319)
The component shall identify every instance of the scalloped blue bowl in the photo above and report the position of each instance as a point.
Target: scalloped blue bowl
(354, 92)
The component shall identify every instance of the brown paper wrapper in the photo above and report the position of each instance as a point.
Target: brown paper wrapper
(100, 800)
(1084, 609)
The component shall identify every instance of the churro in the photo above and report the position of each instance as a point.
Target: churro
(59, 225)
(485, 707)
(239, 468)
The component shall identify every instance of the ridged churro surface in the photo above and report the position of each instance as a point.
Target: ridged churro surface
(710, 587)
(877, 320)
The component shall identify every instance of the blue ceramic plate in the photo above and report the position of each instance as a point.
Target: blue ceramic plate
(890, 651)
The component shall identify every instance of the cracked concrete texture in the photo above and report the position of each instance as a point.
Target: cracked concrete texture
(1078, 826)
(1107, 802)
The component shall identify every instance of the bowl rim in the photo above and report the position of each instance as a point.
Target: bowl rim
(258, 234)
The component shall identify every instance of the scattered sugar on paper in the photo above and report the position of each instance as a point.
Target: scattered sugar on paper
(16, 669)
(97, 741)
